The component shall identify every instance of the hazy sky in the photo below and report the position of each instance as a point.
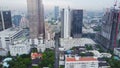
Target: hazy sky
(82, 4)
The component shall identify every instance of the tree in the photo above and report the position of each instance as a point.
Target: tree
(47, 59)
(22, 61)
(1, 58)
(89, 47)
(61, 66)
(9, 55)
(34, 50)
(35, 67)
(0, 65)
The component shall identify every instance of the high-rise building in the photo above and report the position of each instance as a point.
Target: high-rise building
(109, 36)
(24, 23)
(16, 20)
(76, 23)
(56, 13)
(66, 22)
(5, 20)
(36, 19)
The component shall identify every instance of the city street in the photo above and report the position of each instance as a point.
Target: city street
(56, 65)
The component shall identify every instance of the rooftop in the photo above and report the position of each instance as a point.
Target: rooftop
(76, 41)
(118, 49)
(69, 59)
(9, 32)
(103, 64)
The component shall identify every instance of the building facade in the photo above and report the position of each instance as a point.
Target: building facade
(65, 23)
(81, 62)
(56, 13)
(8, 36)
(76, 23)
(19, 49)
(117, 51)
(36, 18)
(109, 36)
(5, 20)
(16, 20)
(24, 23)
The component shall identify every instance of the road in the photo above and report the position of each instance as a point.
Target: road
(56, 65)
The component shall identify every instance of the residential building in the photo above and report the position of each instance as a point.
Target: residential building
(76, 23)
(65, 23)
(5, 20)
(36, 19)
(81, 62)
(49, 33)
(36, 55)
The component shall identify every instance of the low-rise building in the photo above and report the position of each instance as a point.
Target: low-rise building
(117, 51)
(3, 52)
(19, 49)
(8, 36)
(36, 55)
(100, 55)
(73, 42)
(106, 55)
(103, 63)
(81, 62)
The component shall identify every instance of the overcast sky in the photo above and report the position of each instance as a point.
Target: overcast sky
(82, 4)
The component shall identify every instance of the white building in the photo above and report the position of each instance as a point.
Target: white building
(81, 62)
(69, 43)
(46, 44)
(117, 51)
(65, 26)
(100, 55)
(8, 36)
(3, 52)
(19, 49)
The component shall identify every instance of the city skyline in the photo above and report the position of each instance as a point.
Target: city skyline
(80, 4)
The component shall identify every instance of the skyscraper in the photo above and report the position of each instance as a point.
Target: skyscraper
(66, 23)
(76, 23)
(109, 36)
(5, 20)
(56, 13)
(36, 18)
(16, 20)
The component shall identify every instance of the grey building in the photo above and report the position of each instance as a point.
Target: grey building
(109, 36)
(36, 18)
(5, 20)
(76, 23)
